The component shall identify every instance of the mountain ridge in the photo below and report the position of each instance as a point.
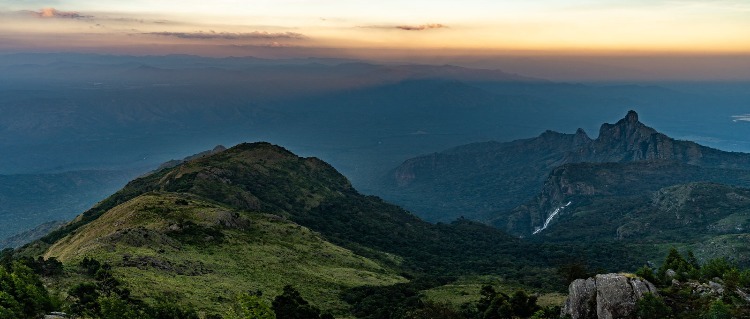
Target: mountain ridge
(481, 179)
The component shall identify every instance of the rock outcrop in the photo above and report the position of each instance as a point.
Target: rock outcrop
(608, 296)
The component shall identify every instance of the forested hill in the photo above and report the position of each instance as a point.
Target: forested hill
(265, 178)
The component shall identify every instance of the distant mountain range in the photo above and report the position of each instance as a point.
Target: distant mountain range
(631, 184)
(117, 112)
(482, 180)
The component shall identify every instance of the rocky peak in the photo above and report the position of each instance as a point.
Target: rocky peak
(628, 130)
(606, 296)
(631, 117)
(581, 138)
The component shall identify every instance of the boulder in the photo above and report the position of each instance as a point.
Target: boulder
(607, 296)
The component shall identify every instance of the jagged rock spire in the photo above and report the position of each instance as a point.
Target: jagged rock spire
(631, 117)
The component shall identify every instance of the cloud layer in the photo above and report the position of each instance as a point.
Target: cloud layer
(255, 35)
(407, 27)
(54, 13)
(421, 27)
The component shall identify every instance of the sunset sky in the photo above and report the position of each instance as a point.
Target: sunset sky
(229, 27)
(554, 39)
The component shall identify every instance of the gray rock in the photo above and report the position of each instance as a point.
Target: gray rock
(581, 302)
(608, 296)
(671, 273)
(716, 288)
(743, 294)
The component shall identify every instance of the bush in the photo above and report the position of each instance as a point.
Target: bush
(250, 306)
(716, 268)
(22, 294)
(291, 305)
(647, 273)
(718, 310)
(652, 307)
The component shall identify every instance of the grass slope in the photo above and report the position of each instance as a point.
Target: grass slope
(204, 253)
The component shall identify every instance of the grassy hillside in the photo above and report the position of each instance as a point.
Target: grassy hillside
(205, 254)
(269, 179)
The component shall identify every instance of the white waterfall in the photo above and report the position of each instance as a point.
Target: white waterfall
(550, 217)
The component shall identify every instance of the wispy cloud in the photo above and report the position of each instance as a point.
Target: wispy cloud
(421, 27)
(406, 27)
(741, 118)
(255, 35)
(50, 13)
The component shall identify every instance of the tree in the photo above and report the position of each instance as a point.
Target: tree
(718, 310)
(168, 309)
(113, 307)
(432, 310)
(652, 307)
(487, 293)
(523, 305)
(85, 297)
(716, 268)
(677, 263)
(647, 273)
(250, 306)
(494, 305)
(22, 290)
(291, 305)
(573, 271)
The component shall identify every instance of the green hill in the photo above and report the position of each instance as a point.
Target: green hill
(266, 178)
(257, 217)
(207, 253)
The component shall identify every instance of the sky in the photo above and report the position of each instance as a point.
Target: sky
(386, 29)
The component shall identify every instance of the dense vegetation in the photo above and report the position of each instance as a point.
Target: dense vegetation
(711, 219)
(715, 289)
(22, 294)
(687, 289)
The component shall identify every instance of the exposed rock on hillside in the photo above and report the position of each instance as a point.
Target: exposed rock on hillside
(607, 296)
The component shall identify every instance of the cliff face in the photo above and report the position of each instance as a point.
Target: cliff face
(631, 140)
(607, 296)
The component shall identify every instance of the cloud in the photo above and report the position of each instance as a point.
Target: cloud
(49, 13)
(741, 118)
(405, 27)
(421, 27)
(255, 35)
